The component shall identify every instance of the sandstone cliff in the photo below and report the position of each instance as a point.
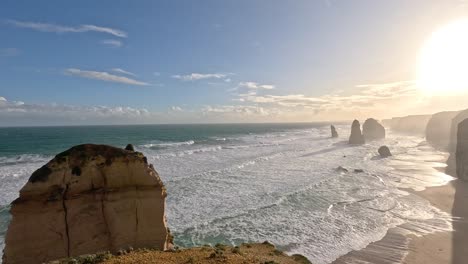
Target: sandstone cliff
(438, 129)
(414, 124)
(87, 199)
(372, 130)
(451, 167)
(462, 150)
(356, 136)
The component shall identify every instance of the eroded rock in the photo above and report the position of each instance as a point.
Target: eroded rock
(372, 130)
(356, 136)
(384, 152)
(87, 199)
(334, 134)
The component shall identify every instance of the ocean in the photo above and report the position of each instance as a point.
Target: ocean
(235, 183)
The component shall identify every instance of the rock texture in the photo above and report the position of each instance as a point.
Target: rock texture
(462, 151)
(451, 166)
(384, 152)
(372, 130)
(438, 129)
(356, 136)
(334, 134)
(87, 199)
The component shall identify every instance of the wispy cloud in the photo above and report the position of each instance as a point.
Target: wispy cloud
(112, 43)
(104, 76)
(372, 98)
(48, 27)
(199, 76)
(254, 85)
(9, 52)
(122, 71)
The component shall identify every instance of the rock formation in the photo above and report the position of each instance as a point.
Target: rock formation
(384, 152)
(341, 169)
(130, 147)
(414, 124)
(372, 129)
(438, 129)
(356, 135)
(451, 166)
(333, 131)
(87, 199)
(462, 150)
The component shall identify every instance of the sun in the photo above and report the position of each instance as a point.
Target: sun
(443, 65)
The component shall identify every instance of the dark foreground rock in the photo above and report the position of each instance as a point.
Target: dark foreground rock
(462, 150)
(334, 134)
(372, 130)
(88, 199)
(384, 152)
(356, 136)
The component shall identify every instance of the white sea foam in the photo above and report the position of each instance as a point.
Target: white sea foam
(283, 187)
(168, 144)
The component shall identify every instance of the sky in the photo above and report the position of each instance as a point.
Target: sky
(210, 61)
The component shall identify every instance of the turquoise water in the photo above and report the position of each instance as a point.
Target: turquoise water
(52, 140)
(237, 183)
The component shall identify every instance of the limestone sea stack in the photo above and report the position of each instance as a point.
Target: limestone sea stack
(356, 135)
(372, 130)
(462, 150)
(87, 199)
(334, 134)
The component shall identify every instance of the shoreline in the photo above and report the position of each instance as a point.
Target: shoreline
(442, 247)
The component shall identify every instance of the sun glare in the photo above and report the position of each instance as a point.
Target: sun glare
(443, 66)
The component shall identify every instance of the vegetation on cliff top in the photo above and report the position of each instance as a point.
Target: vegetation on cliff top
(264, 253)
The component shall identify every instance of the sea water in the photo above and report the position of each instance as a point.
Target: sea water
(254, 182)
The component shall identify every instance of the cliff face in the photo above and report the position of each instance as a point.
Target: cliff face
(372, 130)
(414, 124)
(462, 150)
(356, 136)
(87, 199)
(438, 129)
(451, 166)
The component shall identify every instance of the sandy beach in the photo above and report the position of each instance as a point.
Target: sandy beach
(438, 248)
(444, 247)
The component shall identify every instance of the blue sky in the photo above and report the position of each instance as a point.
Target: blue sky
(74, 62)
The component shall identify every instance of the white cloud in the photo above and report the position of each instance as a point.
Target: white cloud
(119, 70)
(9, 52)
(47, 27)
(199, 76)
(103, 76)
(176, 109)
(18, 112)
(112, 43)
(254, 85)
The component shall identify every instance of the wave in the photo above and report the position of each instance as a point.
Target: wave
(168, 144)
(24, 158)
